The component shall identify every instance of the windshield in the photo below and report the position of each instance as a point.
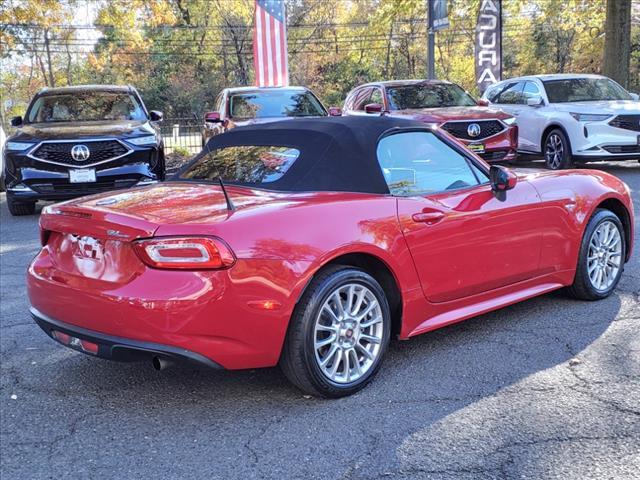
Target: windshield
(428, 96)
(245, 164)
(275, 104)
(85, 107)
(584, 90)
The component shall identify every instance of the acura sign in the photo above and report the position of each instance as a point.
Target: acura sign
(489, 44)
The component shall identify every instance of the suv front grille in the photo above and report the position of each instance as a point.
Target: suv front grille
(627, 122)
(622, 148)
(488, 128)
(83, 188)
(99, 152)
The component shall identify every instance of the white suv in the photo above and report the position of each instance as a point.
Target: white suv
(571, 117)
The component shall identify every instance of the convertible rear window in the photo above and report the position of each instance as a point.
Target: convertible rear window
(246, 164)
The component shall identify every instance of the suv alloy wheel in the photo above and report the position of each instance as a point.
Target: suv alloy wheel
(557, 151)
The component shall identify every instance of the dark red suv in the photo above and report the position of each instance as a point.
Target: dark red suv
(489, 132)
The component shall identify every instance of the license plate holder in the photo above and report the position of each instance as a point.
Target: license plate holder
(476, 147)
(84, 175)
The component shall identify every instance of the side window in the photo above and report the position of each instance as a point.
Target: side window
(531, 90)
(362, 98)
(376, 97)
(512, 94)
(419, 163)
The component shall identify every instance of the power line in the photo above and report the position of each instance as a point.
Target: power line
(97, 26)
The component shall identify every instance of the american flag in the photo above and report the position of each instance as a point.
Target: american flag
(270, 44)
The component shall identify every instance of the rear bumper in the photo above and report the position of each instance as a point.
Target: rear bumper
(211, 313)
(117, 348)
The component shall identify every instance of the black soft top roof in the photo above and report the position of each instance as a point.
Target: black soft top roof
(336, 153)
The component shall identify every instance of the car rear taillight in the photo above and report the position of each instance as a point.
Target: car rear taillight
(192, 253)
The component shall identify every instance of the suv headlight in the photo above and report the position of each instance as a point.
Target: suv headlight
(590, 117)
(17, 146)
(509, 121)
(146, 140)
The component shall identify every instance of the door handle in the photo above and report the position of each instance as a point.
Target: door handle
(427, 217)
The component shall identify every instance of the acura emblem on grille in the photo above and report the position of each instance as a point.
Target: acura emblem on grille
(473, 130)
(80, 153)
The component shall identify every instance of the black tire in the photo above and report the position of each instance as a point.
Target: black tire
(582, 287)
(18, 209)
(557, 150)
(299, 360)
(160, 169)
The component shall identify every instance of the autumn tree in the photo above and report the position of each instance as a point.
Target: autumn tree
(181, 53)
(617, 45)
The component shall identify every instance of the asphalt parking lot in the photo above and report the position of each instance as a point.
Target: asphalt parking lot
(549, 388)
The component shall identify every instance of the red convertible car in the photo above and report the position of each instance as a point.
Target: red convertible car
(310, 244)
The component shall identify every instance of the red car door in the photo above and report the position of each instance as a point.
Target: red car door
(464, 238)
(467, 242)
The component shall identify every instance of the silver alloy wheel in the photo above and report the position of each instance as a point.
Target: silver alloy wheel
(554, 151)
(605, 255)
(348, 333)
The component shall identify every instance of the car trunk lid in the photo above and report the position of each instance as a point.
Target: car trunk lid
(137, 213)
(92, 237)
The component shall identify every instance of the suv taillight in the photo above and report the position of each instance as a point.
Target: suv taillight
(192, 253)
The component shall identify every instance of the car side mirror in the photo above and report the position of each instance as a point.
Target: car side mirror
(535, 101)
(156, 116)
(502, 178)
(16, 121)
(483, 103)
(373, 108)
(212, 117)
(335, 111)
(635, 96)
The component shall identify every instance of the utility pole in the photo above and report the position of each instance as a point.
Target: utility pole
(431, 43)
